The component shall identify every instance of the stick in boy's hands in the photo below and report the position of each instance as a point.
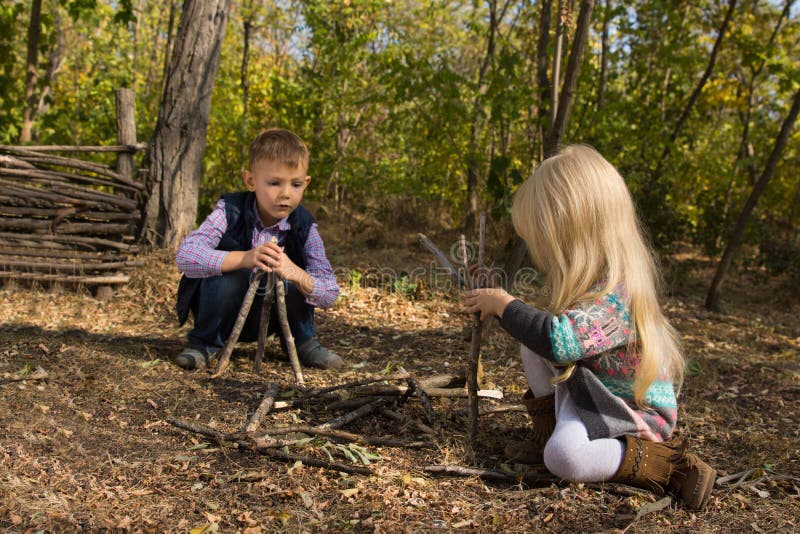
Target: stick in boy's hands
(247, 303)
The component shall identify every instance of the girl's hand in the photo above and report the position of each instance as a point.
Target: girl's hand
(487, 302)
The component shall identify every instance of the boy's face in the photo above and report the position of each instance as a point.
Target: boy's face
(278, 188)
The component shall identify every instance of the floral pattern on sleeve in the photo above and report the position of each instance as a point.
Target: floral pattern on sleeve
(591, 328)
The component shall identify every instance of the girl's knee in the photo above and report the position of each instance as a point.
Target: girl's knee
(563, 460)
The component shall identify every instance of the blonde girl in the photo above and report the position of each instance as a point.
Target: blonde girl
(601, 360)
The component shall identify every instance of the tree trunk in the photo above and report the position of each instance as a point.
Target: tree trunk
(542, 65)
(696, 93)
(556, 66)
(247, 27)
(604, 47)
(473, 161)
(713, 297)
(34, 34)
(553, 136)
(179, 141)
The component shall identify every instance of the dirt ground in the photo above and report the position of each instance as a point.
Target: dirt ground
(88, 447)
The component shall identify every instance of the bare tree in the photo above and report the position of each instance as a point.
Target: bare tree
(179, 141)
(713, 297)
(31, 101)
(554, 135)
(604, 48)
(556, 132)
(689, 107)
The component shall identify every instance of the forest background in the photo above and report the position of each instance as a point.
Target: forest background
(428, 112)
(419, 116)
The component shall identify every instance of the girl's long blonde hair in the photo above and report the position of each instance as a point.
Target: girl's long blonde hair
(578, 219)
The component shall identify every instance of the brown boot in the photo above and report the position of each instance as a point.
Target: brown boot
(543, 415)
(661, 467)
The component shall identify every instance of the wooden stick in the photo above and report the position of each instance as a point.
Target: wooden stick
(283, 319)
(126, 130)
(315, 462)
(70, 239)
(263, 323)
(427, 406)
(266, 450)
(399, 375)
(61, 191)
(136, 147)
(474, 359)
(452, 380)
(72, 213)
(343, 436)
(55, 198)
(54, 226)
(431, 392)
(62, 177)
(196, 428)
(65, 254)
(355, 414)
(76, 267)
(247, 303)
(481, 239)
(505, 408)
(43, 277)
(39, 374)
(442, 259)
(35, 157)
(11, 161)
(263, 408)
(349, 404)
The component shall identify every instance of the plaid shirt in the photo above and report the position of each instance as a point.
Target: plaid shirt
(198, 256)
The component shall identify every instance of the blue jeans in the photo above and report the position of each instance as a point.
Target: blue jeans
(219, 300)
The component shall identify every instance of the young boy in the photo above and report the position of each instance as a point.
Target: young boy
(219, 258)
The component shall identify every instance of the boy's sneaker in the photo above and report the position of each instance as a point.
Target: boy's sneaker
(312, 354)
(191, 358)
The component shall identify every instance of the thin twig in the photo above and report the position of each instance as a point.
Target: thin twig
(263, 323)
(340, 435)
(266, 447)
(399, 375)
(481, 239)
(315, 462)
(442, 259)
(247, 303)
(504, 408)
(427, 406)
(474, 359)
(283, 319)
(349, 417)
(263, 408)
(39, 374)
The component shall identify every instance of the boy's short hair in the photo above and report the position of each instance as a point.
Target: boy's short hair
(280, 145)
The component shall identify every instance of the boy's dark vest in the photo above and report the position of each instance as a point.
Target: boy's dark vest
(241, 220)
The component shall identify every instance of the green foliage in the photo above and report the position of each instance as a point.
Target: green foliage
(354, 278)
(387, 96)
(404, 286)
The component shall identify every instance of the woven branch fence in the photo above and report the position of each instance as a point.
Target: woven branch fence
(65, 219)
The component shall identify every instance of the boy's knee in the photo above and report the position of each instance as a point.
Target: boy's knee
(228, 285)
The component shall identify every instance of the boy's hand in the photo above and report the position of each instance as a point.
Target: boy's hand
(487, 302)
(278, 262)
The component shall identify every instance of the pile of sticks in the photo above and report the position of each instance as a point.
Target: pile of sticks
(64, 219)
(381, 396)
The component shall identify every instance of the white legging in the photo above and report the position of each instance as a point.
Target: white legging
(569, 453)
